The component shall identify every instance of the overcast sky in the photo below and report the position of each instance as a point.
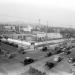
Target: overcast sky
(56, 12)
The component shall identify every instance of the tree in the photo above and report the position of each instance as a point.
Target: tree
(68, 33)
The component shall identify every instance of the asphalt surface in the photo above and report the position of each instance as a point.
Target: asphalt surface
(15, 67)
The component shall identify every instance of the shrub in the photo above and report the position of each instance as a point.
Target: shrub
(49, 65)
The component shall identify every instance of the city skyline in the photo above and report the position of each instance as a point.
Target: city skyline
(57, 12)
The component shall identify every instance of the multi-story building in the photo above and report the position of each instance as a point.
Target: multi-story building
(9, 27)
(23, 29)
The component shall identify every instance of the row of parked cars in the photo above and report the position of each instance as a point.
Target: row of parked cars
(62, 49)
(51, 64)
(57, 50)
(29, 60)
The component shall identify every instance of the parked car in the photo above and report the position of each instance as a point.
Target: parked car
(71, 60)
(68, 52)
(44, 49)
(28, 60)
(49, 54)
(50, 65)
(57, 59)
(58, 52)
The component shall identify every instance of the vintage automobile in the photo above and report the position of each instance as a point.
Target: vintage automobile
(50, 65)
(28, 60)
(58, 52)
(44, 49)
(68, 52)
(71, 60)
(57, 59)
(49, 54)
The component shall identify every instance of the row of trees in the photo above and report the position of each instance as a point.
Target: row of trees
(68, 33)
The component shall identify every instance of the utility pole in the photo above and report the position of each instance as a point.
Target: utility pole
(46, 28)
(19, 28)
(46, 32)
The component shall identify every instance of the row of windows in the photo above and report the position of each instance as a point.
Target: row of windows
(24, 37)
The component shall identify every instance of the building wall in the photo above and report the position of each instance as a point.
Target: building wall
(54, 35)
(44, 36)
(9, 27)
(25, 37)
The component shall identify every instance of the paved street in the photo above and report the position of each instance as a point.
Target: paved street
(14, 66)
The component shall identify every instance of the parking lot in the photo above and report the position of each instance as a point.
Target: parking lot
(15, 65)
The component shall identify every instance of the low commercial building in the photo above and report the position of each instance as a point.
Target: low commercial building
(54, 35)
(24, 37)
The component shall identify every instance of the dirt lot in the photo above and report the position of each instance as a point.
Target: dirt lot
(14, 67)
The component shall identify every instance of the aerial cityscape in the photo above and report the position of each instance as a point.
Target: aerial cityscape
(37, 37)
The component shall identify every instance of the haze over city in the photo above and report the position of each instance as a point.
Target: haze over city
(56, 12)
(37, 37)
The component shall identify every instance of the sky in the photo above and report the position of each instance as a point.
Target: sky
(54, 12)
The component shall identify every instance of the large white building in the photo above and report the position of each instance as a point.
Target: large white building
(54, 35)
(9, 27)
(49, 35)
(25, 28)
